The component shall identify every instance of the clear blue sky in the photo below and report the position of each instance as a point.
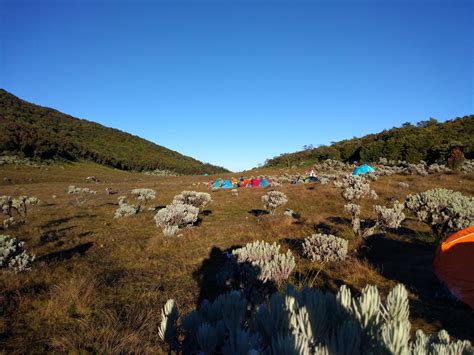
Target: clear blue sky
(236, 82)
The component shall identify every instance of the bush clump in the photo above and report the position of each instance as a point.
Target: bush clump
(143, 196)
(13, 255)
(325, 248)
(20, 205)
(446, 211)
(355, 188)
(266, 258)
(305, 322)
(193, 198)
(176, 216)
(125, 209)
(385, 218)
(74, 190)
(274, 199)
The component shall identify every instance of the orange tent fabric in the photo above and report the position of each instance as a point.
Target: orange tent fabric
(454, 264)
(246, 182)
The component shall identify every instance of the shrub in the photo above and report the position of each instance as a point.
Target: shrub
(13, 255)
(19, 205)
(125, 209)
(355, 188)
(456, 159)
(305, 322)
(91, 179)
(274, 199)
(266, 258)
(73, 190)
(9, 222)
(446, 211)
(193, 198)
(325, 247)
(176, 216)
(417, 169)
(403, 185)
(384, 218)
(144, 195)
(324, 180)
(6, 203)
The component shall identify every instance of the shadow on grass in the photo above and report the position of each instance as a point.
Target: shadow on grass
(209, 287)
(57, 222)
(295, 244)
(66, 254)
(323, 227)
(340, 220)
(206, 212)
(221, 273)
(55, 235)
(258, 212)
(410, 263)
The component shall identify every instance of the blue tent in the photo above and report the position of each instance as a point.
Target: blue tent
(363, 169)
(227, 184)
(217, 184)
(264, 183)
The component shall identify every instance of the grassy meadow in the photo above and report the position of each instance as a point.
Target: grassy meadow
(98, 283)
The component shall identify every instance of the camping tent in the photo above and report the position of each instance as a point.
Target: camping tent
(363, 169)
(454, 264)
(255, 182)
(217, 184)
(264, 182)
(246, 182)
(311, 179)
(227, 184)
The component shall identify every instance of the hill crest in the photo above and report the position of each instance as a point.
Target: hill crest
(41, 132)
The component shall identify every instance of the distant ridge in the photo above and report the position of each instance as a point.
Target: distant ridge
(41, 132)
(427, 140)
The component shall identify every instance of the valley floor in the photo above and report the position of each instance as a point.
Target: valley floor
(98, 283)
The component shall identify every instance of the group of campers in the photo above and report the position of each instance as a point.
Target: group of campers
(260, 181)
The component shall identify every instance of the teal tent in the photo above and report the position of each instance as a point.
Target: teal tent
(264, 183)
(217, 184)
(363, 169)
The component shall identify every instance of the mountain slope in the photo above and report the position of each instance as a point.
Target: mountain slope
(428, 140)
(41, 132)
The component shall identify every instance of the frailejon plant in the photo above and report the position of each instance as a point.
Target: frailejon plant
(13, 255)
(143, 196)
(355, 188)
(305, 322)
(125, 209)
(325, 248)
(274, 199)
(20, 205)
(176, 216)
(193, 198)
(74, 190)
(385, 218)
(80, 193)
(446, 211)
(270, 264)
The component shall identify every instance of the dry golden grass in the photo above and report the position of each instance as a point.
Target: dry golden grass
(98, 283)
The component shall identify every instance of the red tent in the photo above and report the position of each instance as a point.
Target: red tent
(454, 264)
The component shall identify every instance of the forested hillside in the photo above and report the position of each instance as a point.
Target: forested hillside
(427, 140)
(40, 132)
